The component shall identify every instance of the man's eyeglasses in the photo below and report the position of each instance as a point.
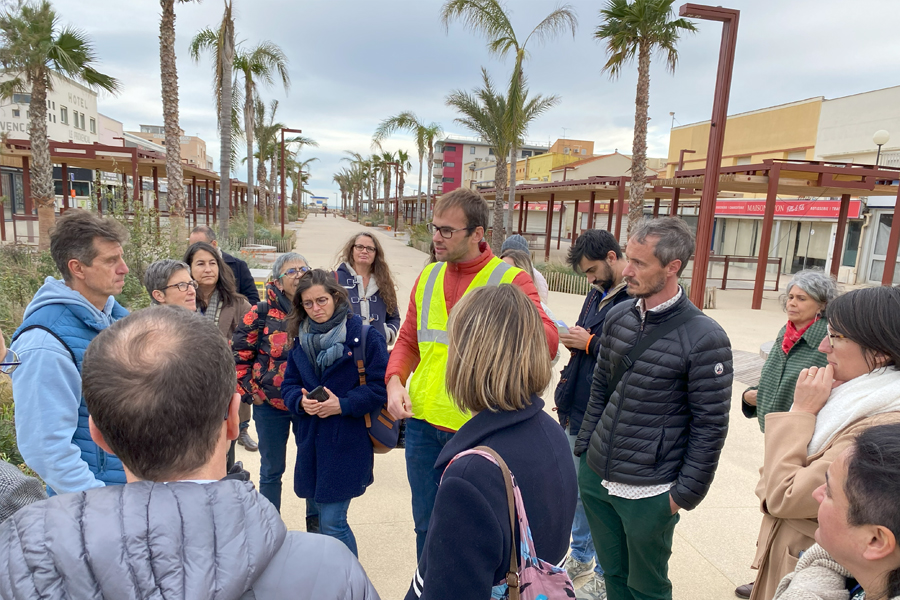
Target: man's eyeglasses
(298, 272)
(446, 232)
(184, 285)
(360, 248)
(835, 336)
(308, 304)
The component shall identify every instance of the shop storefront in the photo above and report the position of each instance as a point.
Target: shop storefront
(875, 240)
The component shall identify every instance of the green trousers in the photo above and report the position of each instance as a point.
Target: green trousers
(633, 539)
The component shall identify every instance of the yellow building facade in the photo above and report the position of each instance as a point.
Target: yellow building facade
(537, 168)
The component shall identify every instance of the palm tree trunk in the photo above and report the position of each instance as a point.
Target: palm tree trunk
(263, 185)
(169, 78)
(498, 235)
(639, 150)
(248, 134)
(428, 203)
(43, 193)
(419, 199)
(512, 189)
(226, 59)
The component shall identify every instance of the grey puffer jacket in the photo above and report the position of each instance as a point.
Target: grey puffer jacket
(667, 419)
(179, 540)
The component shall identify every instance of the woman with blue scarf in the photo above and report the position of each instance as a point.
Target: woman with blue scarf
(334, 453)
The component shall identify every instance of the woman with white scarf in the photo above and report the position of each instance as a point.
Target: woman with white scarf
(858, 389)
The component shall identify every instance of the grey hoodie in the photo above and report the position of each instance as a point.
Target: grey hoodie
(180, 540)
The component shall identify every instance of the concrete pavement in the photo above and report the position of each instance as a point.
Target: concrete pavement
(714, 544)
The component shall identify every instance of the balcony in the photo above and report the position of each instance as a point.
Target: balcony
(437, 171)
(439, 157)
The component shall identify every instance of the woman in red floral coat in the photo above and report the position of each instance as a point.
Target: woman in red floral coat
(261, 359)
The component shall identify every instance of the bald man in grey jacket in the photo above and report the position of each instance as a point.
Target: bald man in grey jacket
(181, 527)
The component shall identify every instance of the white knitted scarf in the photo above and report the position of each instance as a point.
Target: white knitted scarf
(864, 396)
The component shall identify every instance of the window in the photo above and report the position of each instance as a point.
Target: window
(449, 148)
(526, 153)
(21, 98)
(448, 180)
(16, 112)
(471, 149)
(64, 115)
(75, 119)
(565, 150)
(93, 126)
(82, 121)
(449, 164)
(743, 160)
(490, 151)
(584, 151)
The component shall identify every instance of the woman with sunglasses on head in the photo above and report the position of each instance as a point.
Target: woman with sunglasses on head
(169, 282)
(365, 274)
(334, 453)
(858, 388)
(261, 358)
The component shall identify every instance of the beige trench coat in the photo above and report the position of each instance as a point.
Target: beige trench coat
(787, 480)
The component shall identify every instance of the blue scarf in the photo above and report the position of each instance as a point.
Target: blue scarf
(324, 342)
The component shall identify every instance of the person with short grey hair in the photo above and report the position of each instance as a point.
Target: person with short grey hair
(674, 240)
(169, 282)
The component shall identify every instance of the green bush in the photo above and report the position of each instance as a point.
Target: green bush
(553, 267)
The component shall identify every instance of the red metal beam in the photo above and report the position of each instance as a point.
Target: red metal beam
(655, 207)
(521, 211)
(206, 197)
(838, 251)
(609, 218)
(562, 208)
(215, 202)
(590, 223)
(194, 198)
(575, 223)
(64, 173)
(621, 207)
(764, 240)
(2, 213)
(887, 278)
(527, 206)
(729, 19)
(549, 228)
(26, 186)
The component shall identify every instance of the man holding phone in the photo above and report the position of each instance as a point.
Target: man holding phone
(597, 254)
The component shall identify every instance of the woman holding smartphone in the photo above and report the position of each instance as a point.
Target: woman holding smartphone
(334, 454)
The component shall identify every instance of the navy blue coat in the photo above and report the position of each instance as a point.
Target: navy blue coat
(467, 548)
(378, 315)
(334, 454)
(243, 279)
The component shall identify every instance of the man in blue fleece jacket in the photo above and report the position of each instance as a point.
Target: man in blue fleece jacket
(61, 320)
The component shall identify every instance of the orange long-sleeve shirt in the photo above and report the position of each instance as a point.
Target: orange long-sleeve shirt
(457, 278)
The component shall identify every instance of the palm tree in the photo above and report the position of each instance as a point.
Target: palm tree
(640, 27)
(405, 166)
(260, 64)
(33, 47)
(386, 169)
(297, 175)
(489, 18)
(221, 43)
(425, 136)
(484, 112)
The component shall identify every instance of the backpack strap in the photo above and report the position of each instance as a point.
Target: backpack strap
(361, 349)
(627, 361)
(262, 312)
(51, 332)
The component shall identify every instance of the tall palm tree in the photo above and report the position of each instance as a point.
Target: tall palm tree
(258, 65)
(386, 172)
(640, 27)
(33, 47)
(405, 166)
(168, 75)
(297, 175)
(484, 112)
(221, 43)
(489, 17)
(425, 135)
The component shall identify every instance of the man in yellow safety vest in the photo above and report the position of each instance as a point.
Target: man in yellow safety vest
(465, 262)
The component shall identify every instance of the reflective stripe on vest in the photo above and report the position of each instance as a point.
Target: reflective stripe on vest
(427, 386)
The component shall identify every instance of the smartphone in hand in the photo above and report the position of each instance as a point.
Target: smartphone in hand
(318, 394)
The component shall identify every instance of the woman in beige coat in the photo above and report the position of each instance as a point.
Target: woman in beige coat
(859, 388)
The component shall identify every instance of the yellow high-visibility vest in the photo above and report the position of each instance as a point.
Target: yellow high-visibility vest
(427, 389)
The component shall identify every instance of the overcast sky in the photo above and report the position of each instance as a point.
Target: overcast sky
(356, 62)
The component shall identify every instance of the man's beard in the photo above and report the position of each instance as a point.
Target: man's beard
(656, 286)
(605, 283)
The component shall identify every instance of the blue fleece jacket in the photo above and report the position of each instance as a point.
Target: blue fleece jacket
(47, 391)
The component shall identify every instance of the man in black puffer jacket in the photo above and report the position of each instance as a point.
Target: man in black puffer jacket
(653, 447)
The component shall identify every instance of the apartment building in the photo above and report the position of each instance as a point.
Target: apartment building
(193, 148)
(453, 151)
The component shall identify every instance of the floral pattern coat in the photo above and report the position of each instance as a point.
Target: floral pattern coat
(259, 353)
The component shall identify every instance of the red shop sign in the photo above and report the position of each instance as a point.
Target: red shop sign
(819, 209)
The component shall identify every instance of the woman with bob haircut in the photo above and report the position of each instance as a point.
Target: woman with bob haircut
(497, 364)
(335, 458)
(858, 389)
(365, 274)
(856, 553)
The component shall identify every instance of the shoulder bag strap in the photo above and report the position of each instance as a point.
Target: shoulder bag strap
(659, 332)
(262, 312)
(361, 349)
(512, 576)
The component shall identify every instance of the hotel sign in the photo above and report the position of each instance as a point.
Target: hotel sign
(800, 209)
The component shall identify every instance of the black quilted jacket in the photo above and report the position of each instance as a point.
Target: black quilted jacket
(667, 419)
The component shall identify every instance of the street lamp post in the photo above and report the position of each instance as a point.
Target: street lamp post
(880, 138)
(729, 19)
(283, 129)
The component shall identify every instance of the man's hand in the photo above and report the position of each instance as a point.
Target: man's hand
(576, 339)
(750, 397)
(398, 403)
(813, 389)
(674, 507)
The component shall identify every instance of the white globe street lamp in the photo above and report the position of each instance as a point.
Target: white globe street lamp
(880, 138)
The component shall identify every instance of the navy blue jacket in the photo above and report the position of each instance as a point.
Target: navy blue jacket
(467, 548)
(574, 389)
(378, 316)
(334, 454)
(242, 278)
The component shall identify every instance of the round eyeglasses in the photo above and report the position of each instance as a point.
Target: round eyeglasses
(321, 301)
(184, 285)
(298, 273)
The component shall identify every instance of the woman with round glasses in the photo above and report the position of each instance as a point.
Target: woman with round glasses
(334, 453)
(169, 282)
(858, 388)
(259, 352)
(365, 274)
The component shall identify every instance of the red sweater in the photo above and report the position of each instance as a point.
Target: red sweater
(457, 277)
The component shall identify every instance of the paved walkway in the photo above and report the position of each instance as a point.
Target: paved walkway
(714, 544)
